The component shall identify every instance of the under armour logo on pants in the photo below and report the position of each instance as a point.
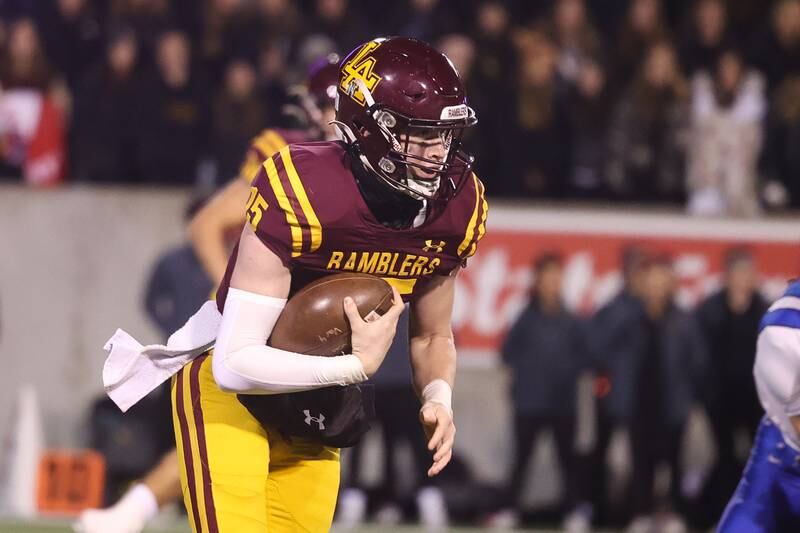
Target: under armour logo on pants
(319, 420)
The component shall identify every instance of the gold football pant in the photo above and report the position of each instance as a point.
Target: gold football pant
(238, 477)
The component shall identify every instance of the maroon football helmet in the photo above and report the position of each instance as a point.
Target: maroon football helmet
(396, 90)
(317, 93)
(323, 77)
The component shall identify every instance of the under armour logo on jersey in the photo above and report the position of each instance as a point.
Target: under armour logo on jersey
(319, 420)
(431, 246)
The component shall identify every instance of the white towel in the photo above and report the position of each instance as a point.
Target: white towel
(132, 371)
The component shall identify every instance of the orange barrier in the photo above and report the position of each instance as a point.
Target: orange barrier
(70, 481)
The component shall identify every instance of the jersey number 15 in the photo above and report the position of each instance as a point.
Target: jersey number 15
(255, 207)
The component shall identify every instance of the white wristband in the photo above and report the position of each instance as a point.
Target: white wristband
(438, 391)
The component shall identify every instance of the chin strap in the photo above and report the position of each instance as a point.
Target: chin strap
(424, 187)
(390, 206)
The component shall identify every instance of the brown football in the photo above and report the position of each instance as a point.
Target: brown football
(313, 321)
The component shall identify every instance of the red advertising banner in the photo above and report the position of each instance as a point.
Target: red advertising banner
(493, 288)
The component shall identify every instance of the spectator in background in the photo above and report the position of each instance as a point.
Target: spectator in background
(661, 384)
(173, 115)
(728, 107)
(103, 130)
(396, 410)
(278, 19)
(33, 107)
(589, 117)
(608, 16)
(73, 33)
(72, 30)
(729, 319)
(462, 51)
(776, 52)
(274, 28)
(345, 27)
(781, 157)
(676, 12)
(747, 15)
(149, 19)
(272, 80)
(647, 132)
(575, 38)
(542, 140)
(238, 115)
(706, 37)
(544, 351)
(643, 27)
(491, 84)
(178, 284)
(492, 26)
(225, 34)
(611, 350)
(425, 19)
(24, 64)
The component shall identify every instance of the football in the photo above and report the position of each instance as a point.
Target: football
(313, 321)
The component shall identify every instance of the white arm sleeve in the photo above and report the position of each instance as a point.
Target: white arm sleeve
(243, 363)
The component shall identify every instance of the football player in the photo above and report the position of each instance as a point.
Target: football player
(767, 499)
(258, 428)
(313, 109)
(397, 198)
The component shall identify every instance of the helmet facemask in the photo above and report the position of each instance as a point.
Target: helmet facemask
(394, 148)
(310, 110)
(312, 101)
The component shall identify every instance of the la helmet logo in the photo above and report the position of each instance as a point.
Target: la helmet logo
(360, 67)
(318, 419)
(434, 246)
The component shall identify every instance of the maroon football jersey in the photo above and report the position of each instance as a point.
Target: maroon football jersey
(305, 205)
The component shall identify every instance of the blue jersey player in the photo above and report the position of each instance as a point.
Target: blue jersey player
(767, 499)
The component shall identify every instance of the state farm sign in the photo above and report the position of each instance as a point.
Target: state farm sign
(493, 289)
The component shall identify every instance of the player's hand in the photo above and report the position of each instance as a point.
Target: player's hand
(440, 430)
(371, 338)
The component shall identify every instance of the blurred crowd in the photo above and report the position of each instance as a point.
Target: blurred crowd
(652, 363)
(686, 102)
